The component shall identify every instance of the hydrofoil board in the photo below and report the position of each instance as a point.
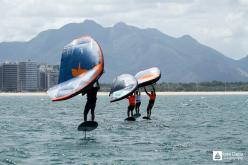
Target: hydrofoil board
(87, 126)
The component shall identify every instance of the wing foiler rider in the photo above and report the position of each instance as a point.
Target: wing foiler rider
(131, 100)
(91, 101)
(152, 97)
(138, 102)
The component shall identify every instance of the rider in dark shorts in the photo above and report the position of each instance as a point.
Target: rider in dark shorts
(152, 97)
(138, 102)
(91, 101)
(131, 100)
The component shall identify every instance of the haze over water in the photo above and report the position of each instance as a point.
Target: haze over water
(183, 130)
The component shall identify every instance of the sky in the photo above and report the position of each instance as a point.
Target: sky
(220, 24)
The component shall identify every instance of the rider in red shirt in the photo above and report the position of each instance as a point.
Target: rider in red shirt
(132, 102)
(152, 99)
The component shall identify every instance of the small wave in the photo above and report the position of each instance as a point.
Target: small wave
(183, 146)
(15, 152)
(142, 143)
(9, 161)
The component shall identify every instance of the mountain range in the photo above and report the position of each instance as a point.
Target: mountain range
(128, 49)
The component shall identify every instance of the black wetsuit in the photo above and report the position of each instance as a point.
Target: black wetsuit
(91, 102)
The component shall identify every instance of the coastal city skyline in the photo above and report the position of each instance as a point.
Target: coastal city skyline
(27, 76)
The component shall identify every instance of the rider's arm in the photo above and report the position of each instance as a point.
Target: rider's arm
(153, 88)
(97, 85)
(146, 92)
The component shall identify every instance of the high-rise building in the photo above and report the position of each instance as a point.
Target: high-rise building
(10, 75)
(42, 76)
(28, 76)
(48, 76)
(52, 78)
(1, 77)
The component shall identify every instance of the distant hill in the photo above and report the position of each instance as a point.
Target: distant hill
(128, 49)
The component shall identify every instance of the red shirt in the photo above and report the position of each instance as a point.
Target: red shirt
(132, 100)
(152, 96)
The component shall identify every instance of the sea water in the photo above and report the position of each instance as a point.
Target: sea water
(183, 130)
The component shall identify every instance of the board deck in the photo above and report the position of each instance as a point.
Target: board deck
(137, 115)
(88, 126)
(130, 119)
(147, 118)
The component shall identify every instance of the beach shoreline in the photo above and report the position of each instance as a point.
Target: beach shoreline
(158, 93)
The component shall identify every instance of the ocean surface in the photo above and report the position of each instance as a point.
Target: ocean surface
(183, 130)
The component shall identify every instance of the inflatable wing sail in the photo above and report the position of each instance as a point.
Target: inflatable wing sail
(148, 76)
(81, 65)
(122, 86)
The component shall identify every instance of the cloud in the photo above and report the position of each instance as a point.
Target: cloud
(220, 24)
(243, 2)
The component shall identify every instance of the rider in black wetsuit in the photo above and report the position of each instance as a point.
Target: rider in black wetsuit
(91, 101)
